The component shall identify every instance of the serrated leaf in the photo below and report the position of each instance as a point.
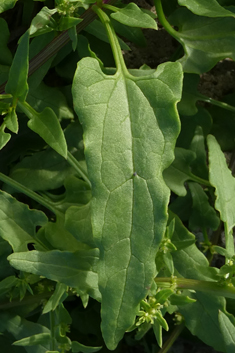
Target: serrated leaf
(131, 15)
(205, 40)
(75, 269)
(228, 331)
(18, 222)
(40, 338)
(125, 159)
(179, 171)
(6, 56)
(7, 5)
(203, 214)
(206, 8)
(17, 84)
(78, 347)
(223, 181)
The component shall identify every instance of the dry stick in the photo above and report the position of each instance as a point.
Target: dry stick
(57, 43)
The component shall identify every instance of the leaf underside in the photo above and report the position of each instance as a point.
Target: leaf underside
(126, 150)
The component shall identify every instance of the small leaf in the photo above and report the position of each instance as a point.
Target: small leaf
(203, 214)
(11, 121)
(4, 138)
(163, 295)
(46, 125)
(7, 5)
(228, 331)
(17, 84)
(18, 222)
(162, 321)
(224, 183)
(157, 329)
(40, 338)
(131, 15)
(57, 297)
(180, 299)
(78, 347)
(206, 40)
(179, 171)
(68, 22)
(75, 269)
(42, 22)
(206, 8)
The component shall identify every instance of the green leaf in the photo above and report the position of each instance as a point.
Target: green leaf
(78, 223)
(199, 165)
(20, 328)
(205, 40)
(179, 171)
(7, 5)
(57, 297)
(18, 222)
(203, 214)
(68, 22)
(17, 82)
(201, 318)
(125, 158)
(131, 15)
(78, 347)
(44, 96)
(75, 269)
(46, 125)
(6, 56)
(189, 124)
(182, 207)
(228, 331)
(157, 329)
(40, 338)
(42, 22)
(11, 121)
(179, 299)
(190, 95)
(224, 183)
(206, 8)
(4, 138)
(7, 283)
(133, 34)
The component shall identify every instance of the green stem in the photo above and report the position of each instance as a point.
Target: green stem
(218, 103)
(5, 96)
(111, 8)
(76, 165)
(113, 40)
(33, 195)
(214, 288)
(173, 337)
(164, 21)
(199, 180)
(52, 327)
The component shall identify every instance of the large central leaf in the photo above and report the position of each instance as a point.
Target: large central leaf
(130, 127)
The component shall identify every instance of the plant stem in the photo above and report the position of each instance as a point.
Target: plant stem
(111, 8)
(57, 43)
(117, 52)
(199, 180)
(218, 103)
(201, 286)
(173, 337)
(33, 195)
(76, 165)
(164, 21)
